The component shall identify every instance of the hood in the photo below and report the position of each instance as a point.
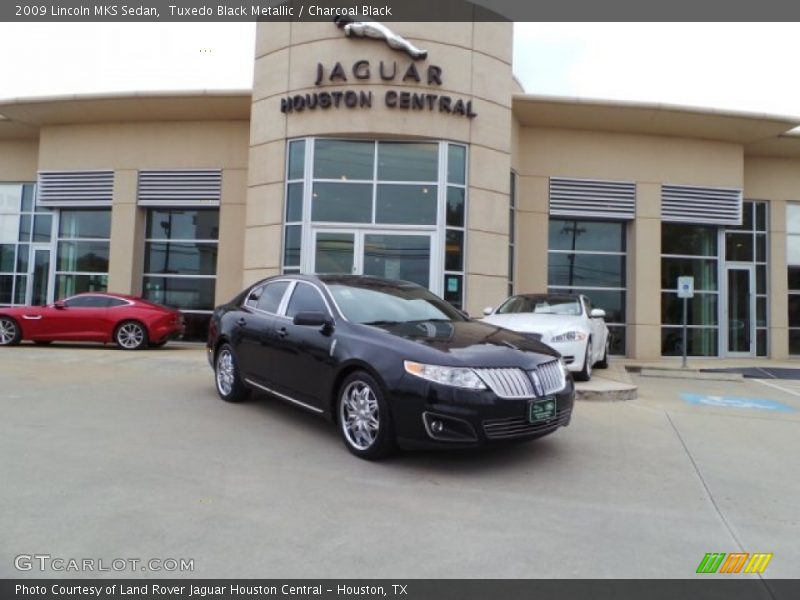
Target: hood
(470, 343)
(543, 324)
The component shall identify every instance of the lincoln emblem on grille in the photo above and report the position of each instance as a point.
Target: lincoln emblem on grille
(377, 31)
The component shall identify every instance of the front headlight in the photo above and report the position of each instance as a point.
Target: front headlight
(456, 376)
(569, 336)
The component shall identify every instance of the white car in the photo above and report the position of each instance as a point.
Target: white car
(565, 322)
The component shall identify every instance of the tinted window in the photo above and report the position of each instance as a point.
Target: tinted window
(305, 298)
(252, 298)
(271, 296)
(395, 304)
(548, 305)
(87, 302)
(112, 302)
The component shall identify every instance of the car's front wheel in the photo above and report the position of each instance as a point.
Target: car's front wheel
(230, 385)
(585, 374)
(364, 418)
(603, 364)
(10, 333)
(131, 335)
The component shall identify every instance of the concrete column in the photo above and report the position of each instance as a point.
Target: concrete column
(127, 236)
(232, 213)
(532, 218)
(644, 275)
(778, 295)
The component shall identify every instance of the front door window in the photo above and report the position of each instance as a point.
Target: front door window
(39, 277)
(740, 308)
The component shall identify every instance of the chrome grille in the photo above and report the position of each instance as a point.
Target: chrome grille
(507, 383)
(511, 427)
(548, 378)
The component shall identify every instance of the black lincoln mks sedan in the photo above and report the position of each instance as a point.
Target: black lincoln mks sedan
(388, 362)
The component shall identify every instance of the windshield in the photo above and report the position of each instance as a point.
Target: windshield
(383, 304)
(542, 305)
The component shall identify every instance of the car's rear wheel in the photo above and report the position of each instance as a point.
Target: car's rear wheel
(10, 333)
(585, 374)
(230, 385)
(364, 418)
(131, 335)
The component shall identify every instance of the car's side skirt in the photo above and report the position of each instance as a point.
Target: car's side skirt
(284, 397)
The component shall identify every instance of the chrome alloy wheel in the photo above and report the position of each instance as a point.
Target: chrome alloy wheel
(358, 415)
(226, 372)
(8, 331)
(130, 336)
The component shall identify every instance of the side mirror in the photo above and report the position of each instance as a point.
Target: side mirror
(597, 313)
(59, 304)
(488, 310)
(314, 319)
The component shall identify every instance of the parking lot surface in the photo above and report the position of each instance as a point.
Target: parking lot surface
(110, 454)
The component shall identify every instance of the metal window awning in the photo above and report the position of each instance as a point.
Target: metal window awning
(701, 205)
(75, 188)
(184, 187)
(592, 199)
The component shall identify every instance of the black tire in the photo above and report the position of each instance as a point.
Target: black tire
(131, 335)
(357, 388)
(43, 342)
(227, 379)
(603, 364)
(585, 374)
(10, 332)
(160, 344)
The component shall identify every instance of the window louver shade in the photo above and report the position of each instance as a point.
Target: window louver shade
(707, 206)
(592, 199)
(75, 188)
(193, 187)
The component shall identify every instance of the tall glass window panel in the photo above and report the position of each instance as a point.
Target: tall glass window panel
(341, 203)
(297, 156)
(408, 161)
(689, 240)
(83, 256)
(455, 206)
(406, 204)
(596, 236)
(344, 159)
(177, 224)
(82, 251)
(456, 164)
(334, 253)
(85, 224)
(406, 257)
(185, 258)
(582, 270)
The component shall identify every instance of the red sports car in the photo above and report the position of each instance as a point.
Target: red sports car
(129, 322)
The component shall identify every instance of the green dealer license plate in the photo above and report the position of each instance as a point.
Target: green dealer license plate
(542, 410)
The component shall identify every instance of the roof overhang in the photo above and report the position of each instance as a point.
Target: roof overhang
(140, 106)
(649, 119)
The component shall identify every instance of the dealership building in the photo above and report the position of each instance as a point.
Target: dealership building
(416, 157)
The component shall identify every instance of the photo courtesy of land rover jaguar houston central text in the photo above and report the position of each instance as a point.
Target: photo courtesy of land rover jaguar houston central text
(388, 362)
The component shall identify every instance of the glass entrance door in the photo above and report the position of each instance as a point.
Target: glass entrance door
(39, 277)
(387, 254)
(740, 305)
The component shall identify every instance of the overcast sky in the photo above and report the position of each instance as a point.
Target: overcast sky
(727, 65)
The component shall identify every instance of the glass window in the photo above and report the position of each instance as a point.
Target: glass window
(297, 156)
(253, 296)
(42, 228)
(294, 202)
(404, 161)
(91, 257)
(342, 159)
(739, 247)
(179, 224)
(455, 206)
(701, 341)
(186, 293)
(406, 204)
(334, 252)
(688, 240)
(406, 257)
(701, 309)
(454, 250)
(291, 245)
(85, 224)
(114, 302)
(7, 255)
(597, 270)
(611, 301)
(793, 218)
(87, 302)
(6, 289)
(305, 298)
(69, 285)
(185, 258)
(271, 296)
(342, 203)
(456, 164)
(598, 236)
(703, 270)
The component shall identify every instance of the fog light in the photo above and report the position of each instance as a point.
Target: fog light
(437, 426)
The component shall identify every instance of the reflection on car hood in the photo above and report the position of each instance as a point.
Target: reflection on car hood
(538, 323)
(474, 343)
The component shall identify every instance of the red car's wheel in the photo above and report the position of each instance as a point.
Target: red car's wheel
(10, 333)
(131, 335)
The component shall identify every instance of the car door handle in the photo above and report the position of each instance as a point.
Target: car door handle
(283, 332)
(241, 322)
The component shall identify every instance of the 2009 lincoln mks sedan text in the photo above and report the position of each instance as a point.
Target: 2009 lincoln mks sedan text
(387, 361)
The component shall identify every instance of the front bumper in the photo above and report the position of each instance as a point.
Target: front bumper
(469, 418)
(573, 353)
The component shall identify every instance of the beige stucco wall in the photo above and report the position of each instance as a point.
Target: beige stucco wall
(776, 180)
(128, 147)
(475, 59)
(18, 160)
(647, 160)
